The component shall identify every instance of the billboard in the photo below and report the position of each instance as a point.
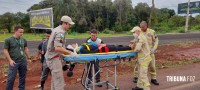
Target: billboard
(41, 19)
(194, 7)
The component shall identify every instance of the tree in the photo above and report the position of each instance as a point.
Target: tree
(197, 20)
(142, 12)
(123, 8)
(43, 4)
(98, 22)
(7, 21)
(124, 15)
(176, 21)
(18, 17)
(35, 7)
(64, 7)
(23, 20)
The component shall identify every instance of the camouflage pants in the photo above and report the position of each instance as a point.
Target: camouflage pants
(55, 65)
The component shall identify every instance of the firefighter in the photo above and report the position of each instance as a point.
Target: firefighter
(143, 58)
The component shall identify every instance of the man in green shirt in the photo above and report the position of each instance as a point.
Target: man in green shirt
(16, 52)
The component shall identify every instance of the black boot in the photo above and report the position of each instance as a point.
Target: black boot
(42, 85)
(135, 79)
(137, 88)
(154, 81)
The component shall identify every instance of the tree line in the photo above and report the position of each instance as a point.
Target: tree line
(104, 15)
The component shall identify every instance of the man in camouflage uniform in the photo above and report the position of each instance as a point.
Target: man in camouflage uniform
(153, 44)
(55, 47)
(143, 59)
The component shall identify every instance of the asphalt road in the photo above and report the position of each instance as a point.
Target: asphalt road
(124, 82)
(124, 40)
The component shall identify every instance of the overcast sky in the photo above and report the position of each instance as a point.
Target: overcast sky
(171, 4)
(22, 5)
(16, 5)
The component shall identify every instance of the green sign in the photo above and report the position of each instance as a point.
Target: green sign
(41, 19)
(194, 7)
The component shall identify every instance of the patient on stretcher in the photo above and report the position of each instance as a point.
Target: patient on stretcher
(94, 48)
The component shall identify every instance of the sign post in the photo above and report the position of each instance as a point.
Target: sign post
(194, 7)
(187, 17)
(188, 8)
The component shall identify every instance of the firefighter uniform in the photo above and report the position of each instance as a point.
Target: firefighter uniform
(153, 44)
(57, 39)
(143, 60)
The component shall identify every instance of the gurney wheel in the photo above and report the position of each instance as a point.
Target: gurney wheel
(69, 73)
(65, 67)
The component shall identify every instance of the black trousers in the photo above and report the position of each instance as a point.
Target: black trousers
(96, 69)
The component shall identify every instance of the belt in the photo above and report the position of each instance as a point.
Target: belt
(57, 56)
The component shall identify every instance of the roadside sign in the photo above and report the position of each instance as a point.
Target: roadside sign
(194, 7)
(41, 19)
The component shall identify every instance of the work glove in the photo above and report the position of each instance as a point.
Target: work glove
(73, 47)
(152, 50)
(73, 54)
(70, 47)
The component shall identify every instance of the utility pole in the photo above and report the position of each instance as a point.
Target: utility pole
(152, 14)
(187, 17)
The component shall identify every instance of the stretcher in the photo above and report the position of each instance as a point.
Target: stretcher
(104, 57)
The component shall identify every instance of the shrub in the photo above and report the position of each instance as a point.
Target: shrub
(117, 28)
(107, 31)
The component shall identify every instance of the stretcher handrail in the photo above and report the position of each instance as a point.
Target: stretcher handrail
(103, 53)
(100, 56)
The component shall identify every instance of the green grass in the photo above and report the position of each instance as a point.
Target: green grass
(168, 64)
(30, 36)
(85, 35)
(164, 30)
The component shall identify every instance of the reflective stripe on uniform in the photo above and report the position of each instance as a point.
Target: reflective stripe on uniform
(145, 62)
(145, 84)
(151, 31)
(152, 73)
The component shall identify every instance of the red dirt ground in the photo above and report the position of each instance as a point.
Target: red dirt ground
(164, 53)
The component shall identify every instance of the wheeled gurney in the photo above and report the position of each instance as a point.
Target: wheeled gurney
(116, 56)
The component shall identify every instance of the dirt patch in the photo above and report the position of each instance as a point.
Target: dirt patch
(186, 51)
(178, 52)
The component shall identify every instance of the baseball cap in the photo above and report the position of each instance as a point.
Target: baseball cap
(67, 19)
(136, 29)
